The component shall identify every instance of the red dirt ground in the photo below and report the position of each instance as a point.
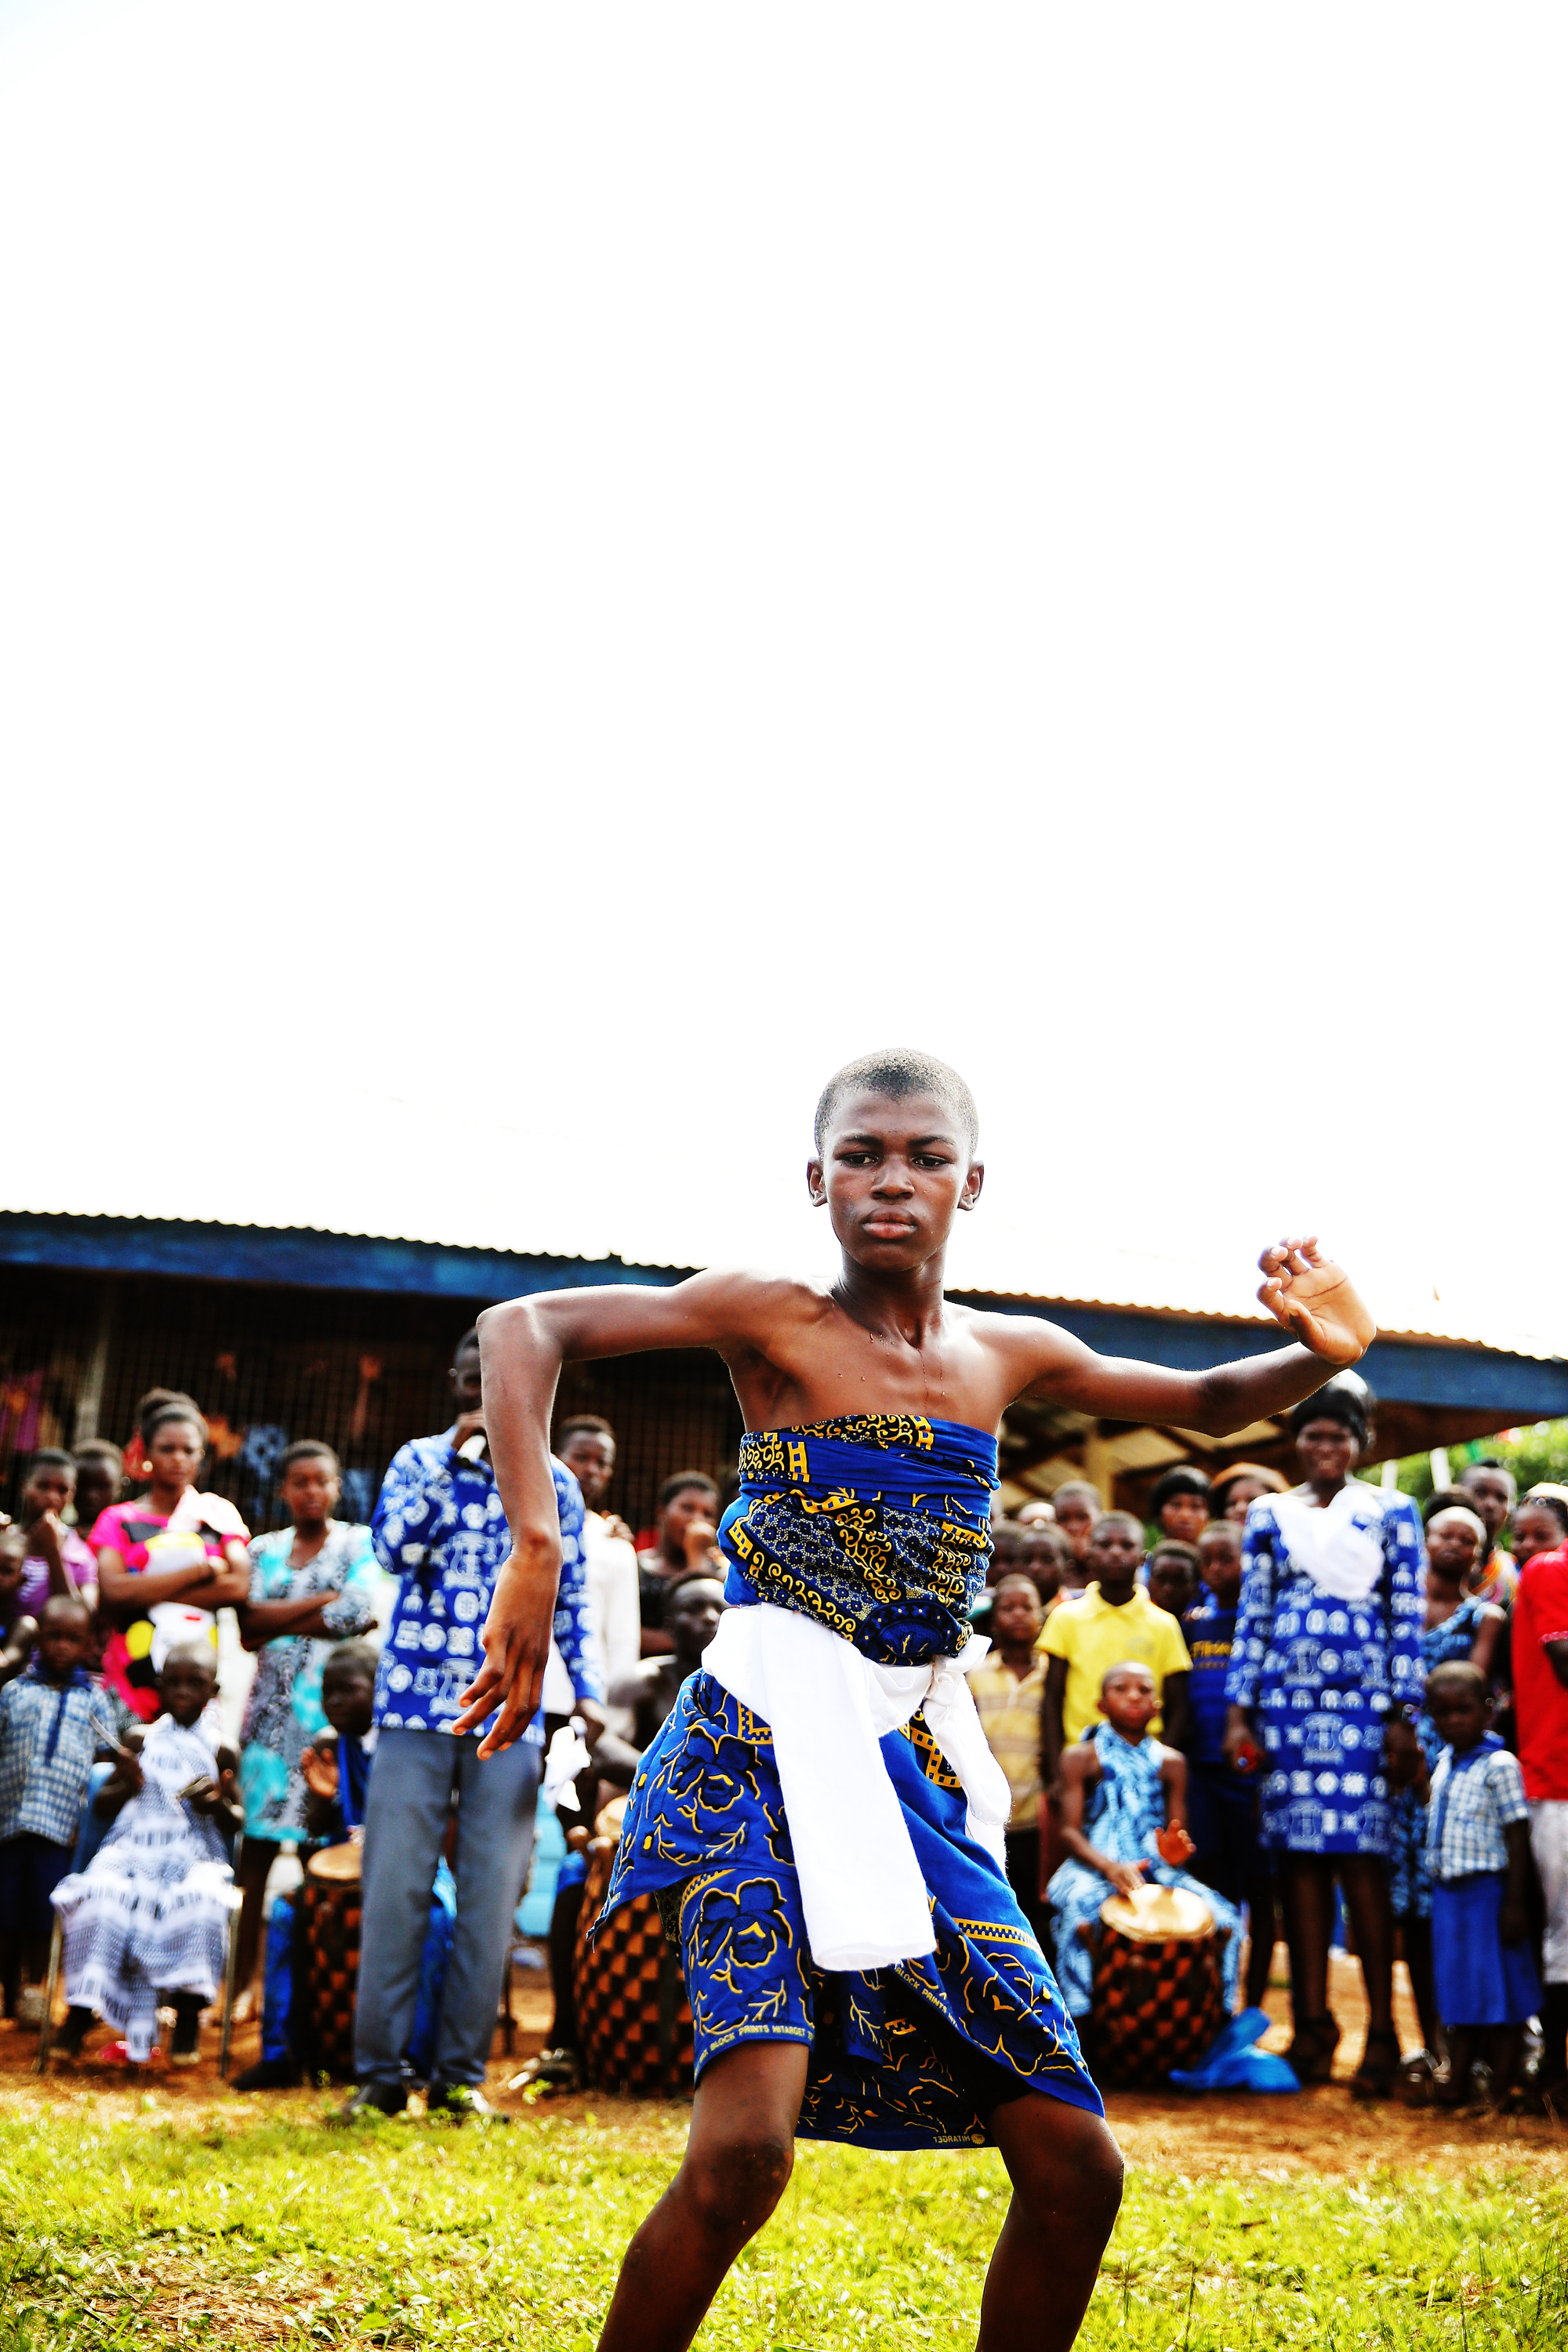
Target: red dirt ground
(1320, 2131)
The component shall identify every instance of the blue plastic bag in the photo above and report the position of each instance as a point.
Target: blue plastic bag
(1235, 2063)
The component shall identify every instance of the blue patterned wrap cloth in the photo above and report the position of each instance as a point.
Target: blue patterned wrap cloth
(878, 1530)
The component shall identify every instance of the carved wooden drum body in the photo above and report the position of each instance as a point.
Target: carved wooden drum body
(1159, 1987)
(634, 2023)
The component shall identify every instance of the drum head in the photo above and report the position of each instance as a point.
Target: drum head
(1156, 1914)
(608, 1824)
(342, 1862)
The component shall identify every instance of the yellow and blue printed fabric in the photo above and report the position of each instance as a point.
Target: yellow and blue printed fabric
(880, 1528)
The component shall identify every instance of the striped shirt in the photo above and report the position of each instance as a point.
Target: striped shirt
(1009, 1712)
(47, 1735)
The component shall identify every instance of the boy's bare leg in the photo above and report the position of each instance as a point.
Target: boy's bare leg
(1066, 2171)
(738, 2156)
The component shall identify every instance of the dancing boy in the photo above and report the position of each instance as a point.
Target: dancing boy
(820, 1815)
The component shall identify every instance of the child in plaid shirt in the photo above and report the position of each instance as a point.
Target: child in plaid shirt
(1477, 1851)
(53, 1718)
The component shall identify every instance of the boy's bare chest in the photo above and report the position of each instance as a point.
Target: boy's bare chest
(836, 1368)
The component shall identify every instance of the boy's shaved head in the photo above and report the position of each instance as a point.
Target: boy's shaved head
(897, 1071)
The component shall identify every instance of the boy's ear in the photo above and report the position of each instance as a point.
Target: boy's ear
(814, 1184)
(972, 1185)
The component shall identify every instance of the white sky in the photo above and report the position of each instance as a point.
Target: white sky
(563, 571)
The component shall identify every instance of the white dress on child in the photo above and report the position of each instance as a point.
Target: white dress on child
(150, 1913)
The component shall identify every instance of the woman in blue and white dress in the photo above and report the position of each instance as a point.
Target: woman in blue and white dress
(1326, 1673)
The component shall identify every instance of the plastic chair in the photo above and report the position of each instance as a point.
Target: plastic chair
(90, 1833)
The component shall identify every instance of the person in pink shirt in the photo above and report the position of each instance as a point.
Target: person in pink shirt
(58, 1560)
(167, 1560)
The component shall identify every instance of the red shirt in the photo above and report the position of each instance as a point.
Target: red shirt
(1541, 1615)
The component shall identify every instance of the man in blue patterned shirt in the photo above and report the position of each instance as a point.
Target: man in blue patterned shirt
(439, 1528)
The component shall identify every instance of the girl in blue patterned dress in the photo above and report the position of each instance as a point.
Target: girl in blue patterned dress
(1124, 1824)
(1326, 1669)
(1459, 1627)
(821, 1810)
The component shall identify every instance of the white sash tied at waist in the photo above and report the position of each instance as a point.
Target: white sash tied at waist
(862, 1891)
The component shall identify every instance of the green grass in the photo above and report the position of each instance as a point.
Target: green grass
(282, 2234)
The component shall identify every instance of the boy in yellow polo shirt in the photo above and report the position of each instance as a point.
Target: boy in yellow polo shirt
(1113, 1622)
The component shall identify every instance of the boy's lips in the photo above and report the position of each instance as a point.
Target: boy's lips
(890, 1228)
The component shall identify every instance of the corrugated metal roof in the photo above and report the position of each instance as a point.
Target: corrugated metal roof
(1044, 1272)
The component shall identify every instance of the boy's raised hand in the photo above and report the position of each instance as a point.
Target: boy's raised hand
(1176, 1846)
(1315, 1300)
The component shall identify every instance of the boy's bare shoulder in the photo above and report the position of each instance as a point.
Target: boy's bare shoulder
(758, 1307)
(1030, 1347)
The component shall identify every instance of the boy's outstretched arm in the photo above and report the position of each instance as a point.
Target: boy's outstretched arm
(523, 1347)
(1305, 1292)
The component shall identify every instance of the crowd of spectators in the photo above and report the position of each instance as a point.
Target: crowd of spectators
(1352, 1713)
(1330, 1714)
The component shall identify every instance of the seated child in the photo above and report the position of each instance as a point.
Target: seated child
(53, 1719)
(692, 1609)
(1123, 1812)
(1009, 1691)
(149, 1916)
(1477, 1851)
(336, 1768)
(337, 1763)
(1222, 1798)
(18, 1627)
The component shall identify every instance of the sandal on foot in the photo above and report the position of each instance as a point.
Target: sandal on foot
(1417, 2079)
(553, 2070)
(1311, 2056)
(1374, 2078)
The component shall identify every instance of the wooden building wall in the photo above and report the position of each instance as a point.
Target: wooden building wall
(364, 1371)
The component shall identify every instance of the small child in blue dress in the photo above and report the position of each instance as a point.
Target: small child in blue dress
(1477, 1851)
